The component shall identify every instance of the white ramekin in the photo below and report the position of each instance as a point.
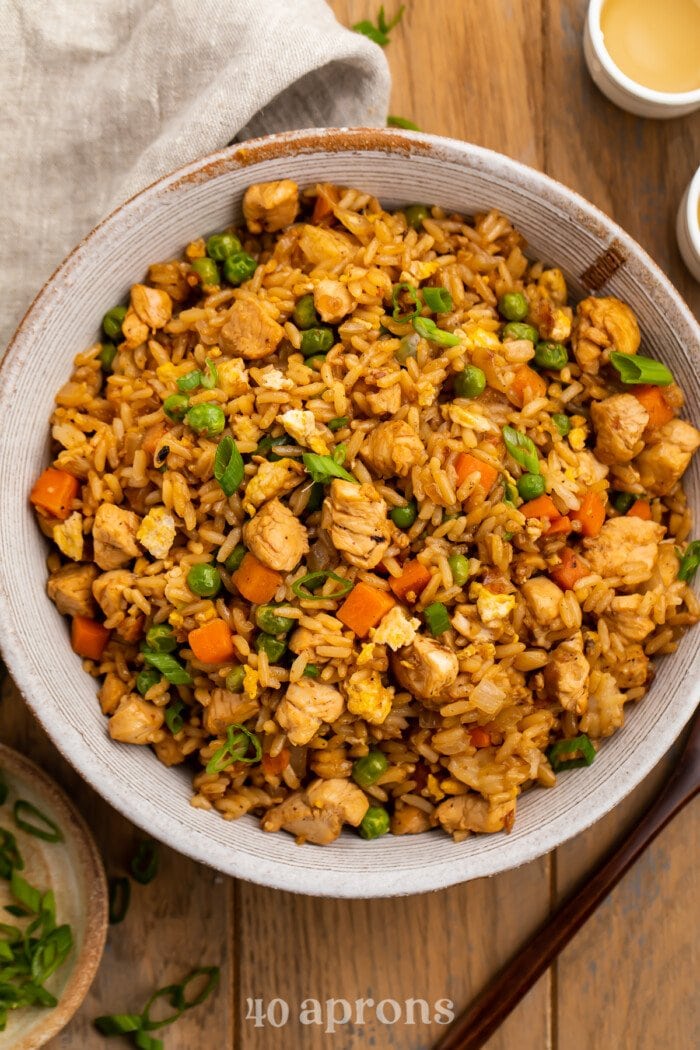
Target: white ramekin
(621, 89)
(688, 226)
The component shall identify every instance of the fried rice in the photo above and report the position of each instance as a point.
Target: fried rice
(359, 519)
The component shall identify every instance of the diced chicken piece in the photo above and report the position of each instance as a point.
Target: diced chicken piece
(425, 669)
(169, 751)
(602, 325)
(295, 815)
(271, 480)
(225, 708)
(666, 569)
(153, 306)
(171, 277)
(111, 692)
(620, 422)
(136, 721)
(664, 461)
(634, 669)
(134, 330)
(588, 470)
(325, 248)
(108, 590)
(393, 448)
(368, 697)
(342, 795)
(157, 532)
(551, 321)
(409, 820)
(473, 813)
(605, 706)
(270, 206)
(114, 536)
(302, 426)
(68, 536)
(626, 547)
(566, 675)
(306, 705)
(553, 284)
(276, 537)
(250, 332)
(70, 588)
(357, 520)
(630, 616)
(332, 300)
(386, 401)
(543, 599)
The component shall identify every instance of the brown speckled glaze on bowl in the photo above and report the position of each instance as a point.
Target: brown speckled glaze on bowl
(562, 229)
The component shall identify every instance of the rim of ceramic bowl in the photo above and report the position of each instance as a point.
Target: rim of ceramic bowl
(353, 878)
(661, 98)
(692, 212)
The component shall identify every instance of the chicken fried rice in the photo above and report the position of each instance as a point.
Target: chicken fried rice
(357, 517)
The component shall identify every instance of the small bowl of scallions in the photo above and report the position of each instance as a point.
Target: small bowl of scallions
(53, 906)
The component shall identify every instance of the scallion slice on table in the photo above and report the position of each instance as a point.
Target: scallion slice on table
(119, 898)
(144, 863)
(429, 330)
(571, 754)
(138, 1026)
(305, 587)
(34, 822)
(522, 449)
(401, 122)
(437, 618)
(689, 561)
(379, 33)
(404, 291)
(635, 369)
(118, 1024)
(228, 465)
(239, 740)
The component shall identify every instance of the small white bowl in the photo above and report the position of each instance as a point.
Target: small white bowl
(688, 226)
(621, 89)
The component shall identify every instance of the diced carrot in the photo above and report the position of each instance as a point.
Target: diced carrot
(364, 607)
(152, 436)
(255, 581)
(414, 579)
(560, 526)
(542, 507)
(527, 386)
(652, 398)
(88, 637)
(466, 464)
(212, 643)
(479, 737)
(572, 568)
(325, 199)
(591, 514)
(273, 765)
(640, 509)
(54, 492)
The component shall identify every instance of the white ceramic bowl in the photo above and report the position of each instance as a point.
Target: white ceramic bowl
(688, 226)
(621, 89)
(561, 228)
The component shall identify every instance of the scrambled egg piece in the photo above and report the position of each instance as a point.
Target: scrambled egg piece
(578, 433)
(176, 619)
(169, 372)
(250, 682)
(434, 788)
(491, 607)
(422, 270)
(561, 327)
(368, 698)
(478, 336)
(272, 379)
(366, 654)
(301, 424)
(427, 393)
(395, 629)
(157, 532)
(68, 536)
(233, 378)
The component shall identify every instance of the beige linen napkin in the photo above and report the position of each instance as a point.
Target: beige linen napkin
(100, 97)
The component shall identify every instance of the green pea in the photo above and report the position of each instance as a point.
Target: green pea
(160, 637)
(311, 671)
(622, 501)
(221, 245)
(112, 323)
(207, 271)
(551, 355)
(206, 419)
(403, 517)
(368, 769)
(531, 486)
(459, 567)
(561, 422)
(315, 362)
(375, 823)
(408, 347)
(147, 679)
(235, 557)
(305, 315)
(415, 213)
(317, 341)
(515, 330)
(275, 648)
(270, 622)
(106, 356)
(513, 306)
(175, 406)
(470, 382)
(234, 679)
(204, 580)
(239, 267)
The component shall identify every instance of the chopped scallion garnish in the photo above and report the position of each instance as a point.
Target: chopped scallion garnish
(522, 449)
(437, 618)
(42, 826)
(571, 754)
(689, 561)
(305, 587)
(635, 369)
(144, 863)
(119, 898)
(438, 300)
(239, 741)
(399, 293)
(429, 330)
(323, 468)
(228, 465)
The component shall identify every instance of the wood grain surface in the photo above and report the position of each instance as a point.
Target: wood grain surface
(507, 74)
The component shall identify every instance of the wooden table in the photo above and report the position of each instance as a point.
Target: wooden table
(508, 74)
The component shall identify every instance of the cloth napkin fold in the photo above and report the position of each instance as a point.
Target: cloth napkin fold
(100, 97)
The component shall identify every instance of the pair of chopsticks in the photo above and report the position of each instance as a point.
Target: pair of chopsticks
(491, 1007)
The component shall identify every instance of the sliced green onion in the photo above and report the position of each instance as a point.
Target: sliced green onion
(4, 790)
(635, 369)
(622, 501)
(338, 423)
(438, 300)
(411, 292)
(171, 992)
(173, 717)
(212, 973)
(429, 330)
(228, 466)
(522, 449)
(10, 856)
(323, 468)
(144, 1041)
(28, 896)
(42, 828)
(118, 1024)
(51, 951)
(190, 381)
(168, 666)
(689, 561)
(379, 33)
(210, 379)
(578, 745)
(408, 347)
(401, 122)
(311, 671)
(144, 863)
(239, 740)
(119, 898)
(304, 587)
(437, 618)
